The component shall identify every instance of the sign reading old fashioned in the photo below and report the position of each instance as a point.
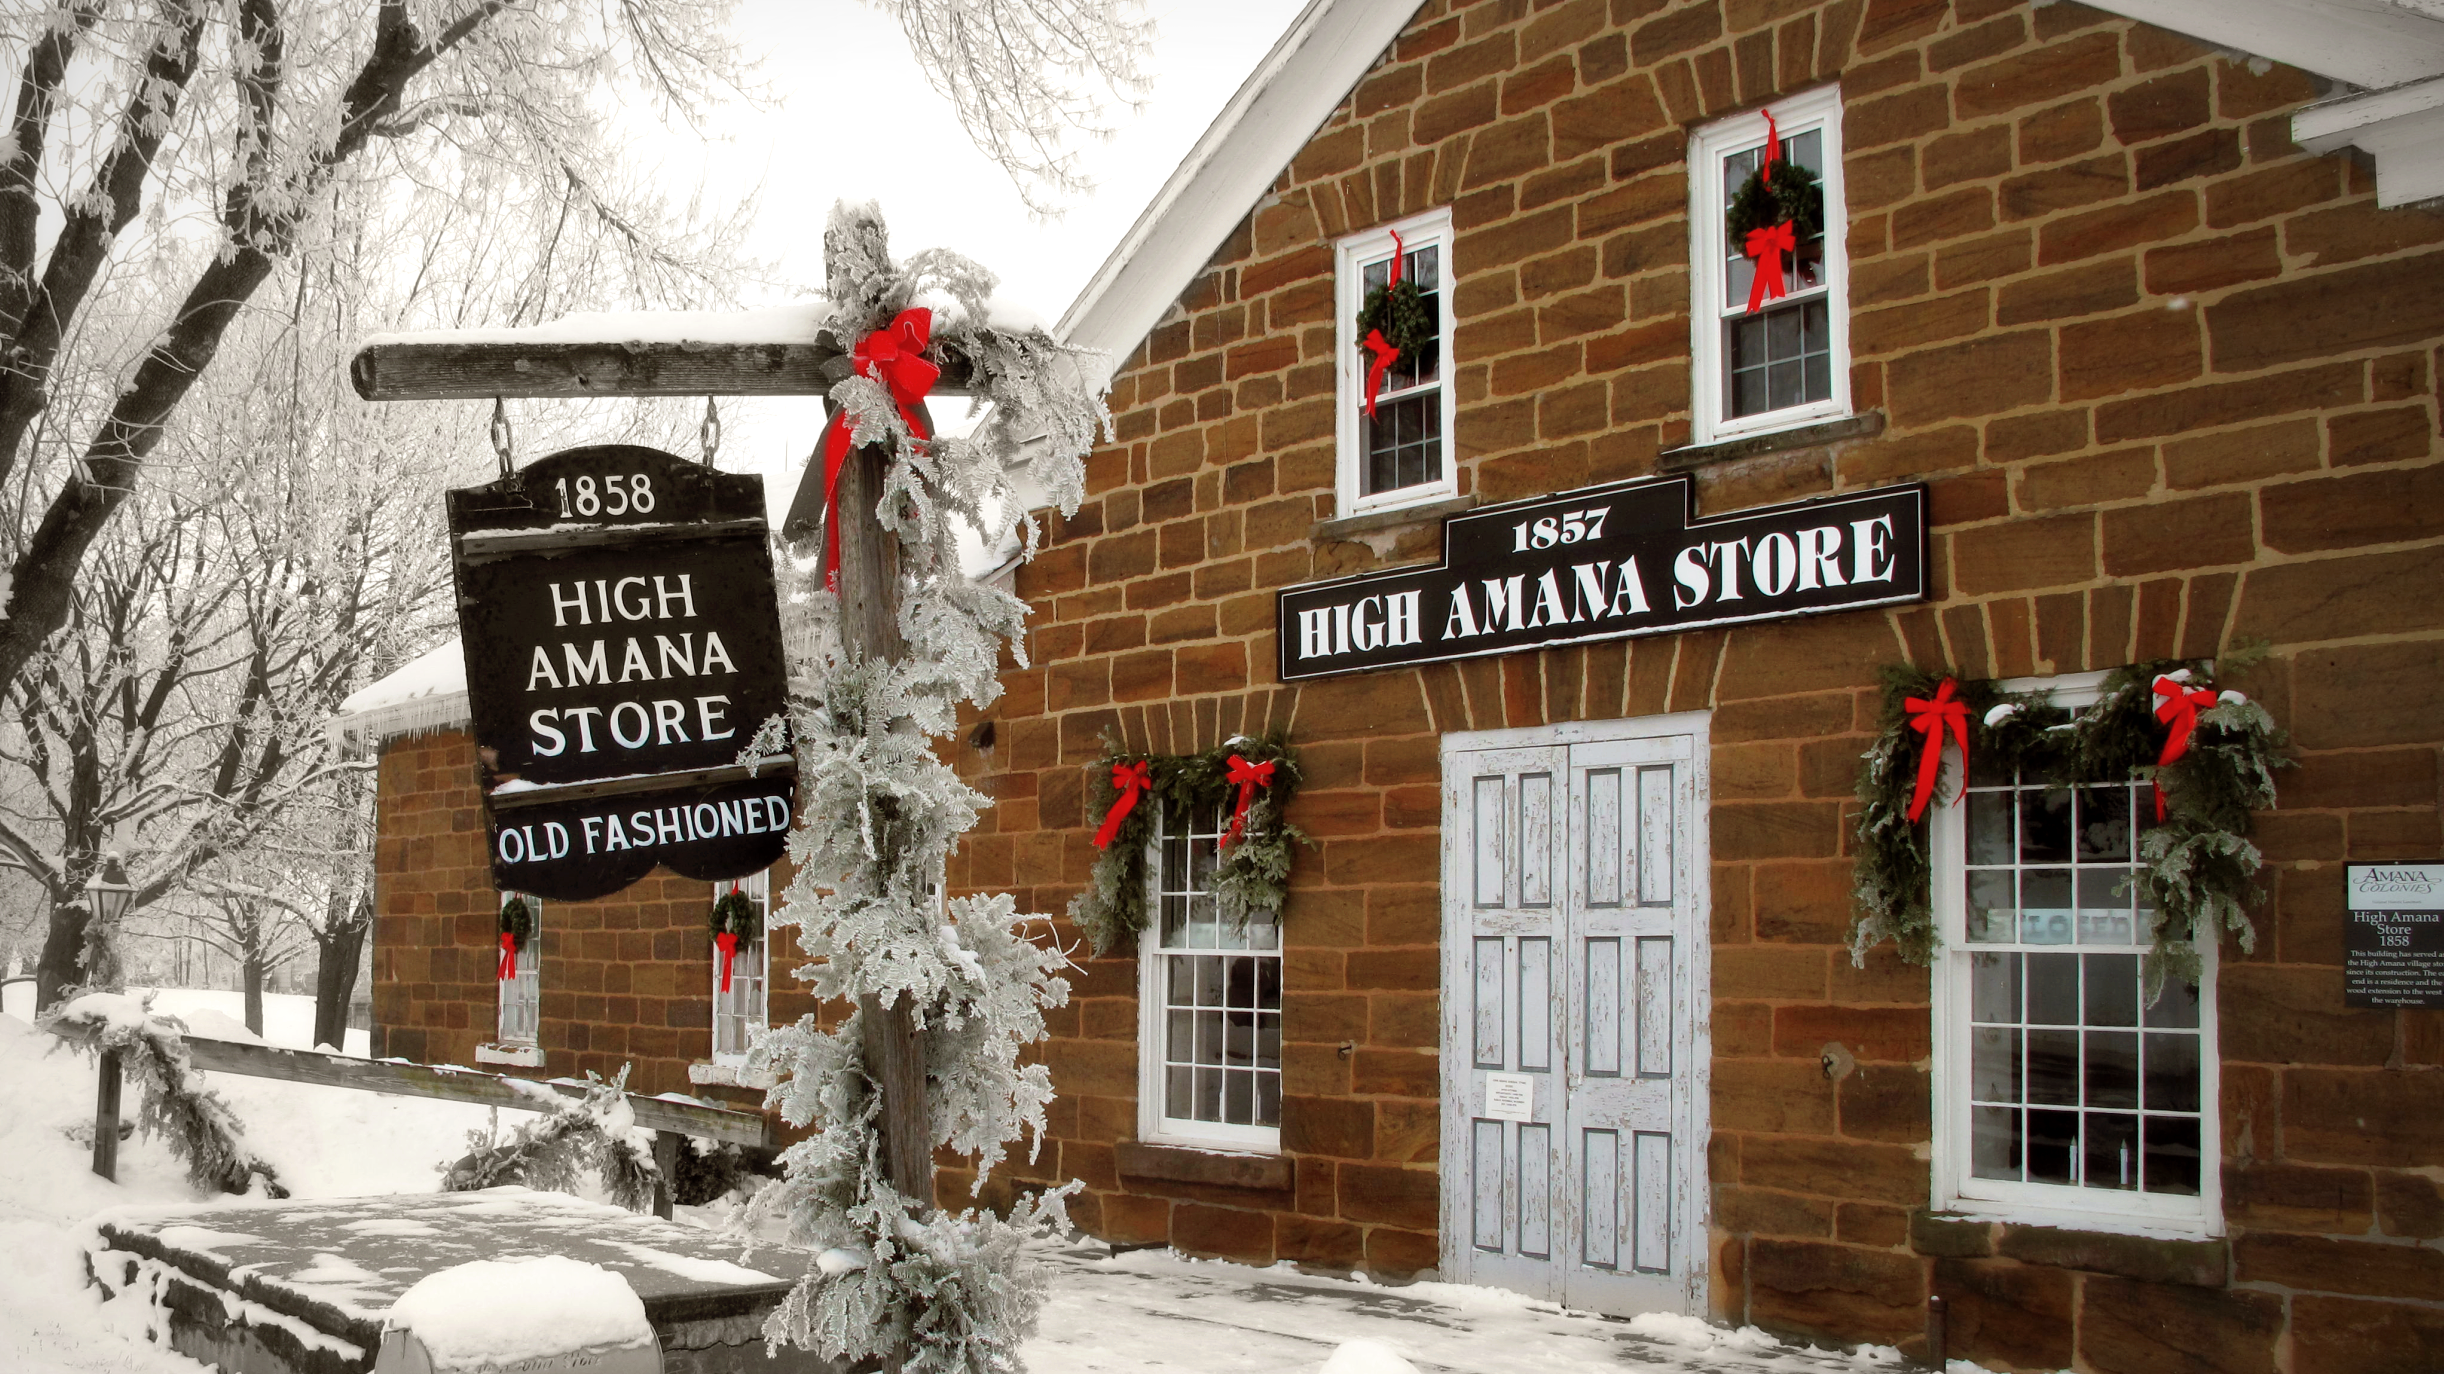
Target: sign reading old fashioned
(2393, 941)
(1609, 562)
(623, 643)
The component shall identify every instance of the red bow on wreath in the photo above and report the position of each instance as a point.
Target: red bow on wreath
(509, 957)
(895, 356)
(1130, 780)
(727, 943)
(1385, 354)
(1930, 717)
(1247, 777)
(2179, 712)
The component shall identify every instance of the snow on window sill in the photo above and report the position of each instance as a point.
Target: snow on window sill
(732, 1075)
(521, 1056)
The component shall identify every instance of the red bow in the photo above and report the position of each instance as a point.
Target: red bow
(1385, 354)
(1767, 245)
(1773, 150)
(727, 943)
(2179, 712)
(1247, 777)
(509, 957)
(895, 356)
(1929, 718)
(1130, 780)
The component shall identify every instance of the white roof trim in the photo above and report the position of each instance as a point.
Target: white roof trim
(2369, 43)
(1277, 109)
(2402, 128)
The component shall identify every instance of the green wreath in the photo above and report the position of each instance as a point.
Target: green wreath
(518, 921)
(1400, 312)
(1254, 873)
(734, 914)
(2197, 868)
(1794, 195)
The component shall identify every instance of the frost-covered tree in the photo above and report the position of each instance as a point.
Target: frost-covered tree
(916, 1288)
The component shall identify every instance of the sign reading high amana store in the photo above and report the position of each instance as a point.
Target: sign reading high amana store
(1609, 562)
(623, 644)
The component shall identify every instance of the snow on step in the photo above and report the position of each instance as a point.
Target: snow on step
(307, 1287)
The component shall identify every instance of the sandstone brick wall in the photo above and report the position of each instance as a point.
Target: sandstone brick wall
(2172, 382)
(626, 979)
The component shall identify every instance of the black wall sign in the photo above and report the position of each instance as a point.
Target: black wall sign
(2393, 942)
(1606, 563)
(623, 643)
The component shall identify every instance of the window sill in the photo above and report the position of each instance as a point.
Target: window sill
(1216, 1168)
(517, 1056)
(731, 1075)
(1690, 456)
(2144, 1258)
(1347, 526)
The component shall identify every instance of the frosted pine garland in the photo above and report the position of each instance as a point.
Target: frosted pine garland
(597, 1131)
(195, 1120)
(879, 816)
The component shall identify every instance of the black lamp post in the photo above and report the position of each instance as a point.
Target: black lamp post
(108, 892)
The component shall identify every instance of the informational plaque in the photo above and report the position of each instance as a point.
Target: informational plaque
(1510, 1096)
(623, 644)
(1609, 562)
(2393, 947)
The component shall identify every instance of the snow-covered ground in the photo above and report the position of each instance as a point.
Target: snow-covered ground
(1141, 1311)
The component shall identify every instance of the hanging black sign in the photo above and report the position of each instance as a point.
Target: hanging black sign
(1609, 562)
(623, 643)
(2393, 942)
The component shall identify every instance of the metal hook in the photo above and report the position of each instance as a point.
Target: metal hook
(501, 436)
(709, 433)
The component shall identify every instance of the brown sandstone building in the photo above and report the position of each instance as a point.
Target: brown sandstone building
(2149, 297)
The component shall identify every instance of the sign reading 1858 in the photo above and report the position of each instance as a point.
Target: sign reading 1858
(2393, 946)
(1606, 563)
(623, 642)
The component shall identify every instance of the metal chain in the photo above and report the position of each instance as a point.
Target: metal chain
(501, 436)
(709, 433)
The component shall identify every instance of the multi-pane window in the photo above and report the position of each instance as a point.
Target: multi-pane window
(1785, 361)
(522, 993)
(2064, 1086)
(739, 1013)
(1210, 985)
(1400, 454)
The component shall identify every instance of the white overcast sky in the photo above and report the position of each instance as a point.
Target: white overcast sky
(852, 118)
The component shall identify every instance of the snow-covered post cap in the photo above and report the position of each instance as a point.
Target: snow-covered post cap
(531, 1316)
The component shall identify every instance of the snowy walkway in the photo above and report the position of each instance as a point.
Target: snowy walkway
(1150, 1311)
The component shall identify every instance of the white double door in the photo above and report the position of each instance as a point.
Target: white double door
(1574, 957)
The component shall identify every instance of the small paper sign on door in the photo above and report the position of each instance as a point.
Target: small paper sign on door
(1510, 1096)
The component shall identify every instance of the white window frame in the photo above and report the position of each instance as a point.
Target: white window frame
(755, 960)
(1954, 1189)
(1153, 1125)
(1352, 256)
(523, 986)
(1709, 268)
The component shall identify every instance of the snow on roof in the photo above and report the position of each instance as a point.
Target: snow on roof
(427, 693)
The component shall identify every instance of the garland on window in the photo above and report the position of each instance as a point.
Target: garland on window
(1392, 324)
(2211, 756)
(195, 1120)
(736, 925)
(517, 927)
(1779, 207)
(1253, 779)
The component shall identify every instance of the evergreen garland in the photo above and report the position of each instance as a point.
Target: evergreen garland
(1794, 194)
(1400, 312)
(2197, 868)
(735, 914)
(596, 1131)
(518, 921)
(1253, 873)
(196, 1121)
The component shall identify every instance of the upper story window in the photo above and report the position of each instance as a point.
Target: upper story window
(522, 993)
(1400, 453)
(740, 1011)
(2061, 1095)
(1770, 319)
(1209, 998)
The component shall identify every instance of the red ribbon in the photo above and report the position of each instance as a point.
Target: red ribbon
(509, 957)
(1767, 245)
(895, 356)
(1928, 717)
(1773, 150)
(1130, 780)
(2179, 712)
(1247, 777)
(727, 943)
(1385, 354)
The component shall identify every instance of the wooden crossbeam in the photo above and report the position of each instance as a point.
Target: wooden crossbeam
(447, 371)
(461, 1085)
